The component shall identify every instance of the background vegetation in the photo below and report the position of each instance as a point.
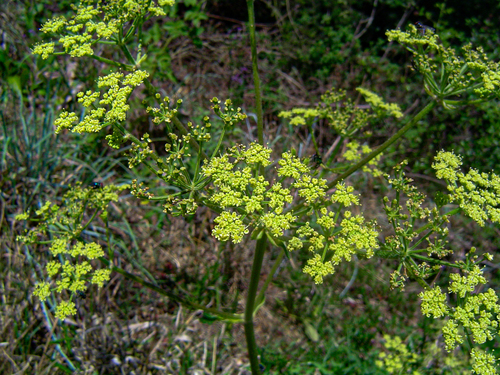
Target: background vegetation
(199, 51)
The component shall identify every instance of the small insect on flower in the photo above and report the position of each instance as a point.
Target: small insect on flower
(96, 185)
(81, 294)
(423, 28)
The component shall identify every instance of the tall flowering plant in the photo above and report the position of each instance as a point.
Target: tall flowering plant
(281, 201)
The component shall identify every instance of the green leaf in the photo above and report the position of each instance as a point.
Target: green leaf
(15, 84)
(311, 332)
(257, 233)
(211, 318)
(208, 318)
(258, 305)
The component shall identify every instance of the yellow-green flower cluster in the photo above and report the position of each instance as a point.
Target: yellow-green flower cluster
(240, 187)
(44, 50)
(379, 106)
(355, 152)
(483, 363)
(94, 21)
(65, 309)
(229, 225)
(229, 115)
(72, 276)
(276, 224)
(77, 45)
(232, 184)
(399, 359)
(291, 166)
(445, 74)
(71, 256)
(342, 114)
(247, 197)
(413, 39)
(476, 314)
(433, 303)
(318, 269)
(300, 116)
(54, 25)
(462, 285)
(111, 108)
(343, 195)
(477, 194)
(419, 44)
(352, 236)
(311, 189)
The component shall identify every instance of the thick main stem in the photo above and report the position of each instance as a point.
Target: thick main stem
(260, 249)
(255, 71)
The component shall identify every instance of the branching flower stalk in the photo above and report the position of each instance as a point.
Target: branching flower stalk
(260, 247)
(67, 217)
(379, 150)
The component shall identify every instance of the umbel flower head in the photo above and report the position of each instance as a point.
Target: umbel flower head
(398, 358)
(72, 277)
(71, 270)
(95, 20)
(477, 194)
(248, 199)
(341, 113)
(106, 108)
(476, 315)
(450, 78)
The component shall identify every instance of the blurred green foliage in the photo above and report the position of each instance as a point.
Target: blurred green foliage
(184, 19)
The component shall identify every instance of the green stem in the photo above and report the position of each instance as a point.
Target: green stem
(410, 267)
(469, 340)
(261, 242)
(260, 249)
(125, 67)
(313, 138)
(385, 145)
(434, 261)
(94, 214)
(428, 225)
(219, 143)
(255, 71)
(262, 292)
(427, 235)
